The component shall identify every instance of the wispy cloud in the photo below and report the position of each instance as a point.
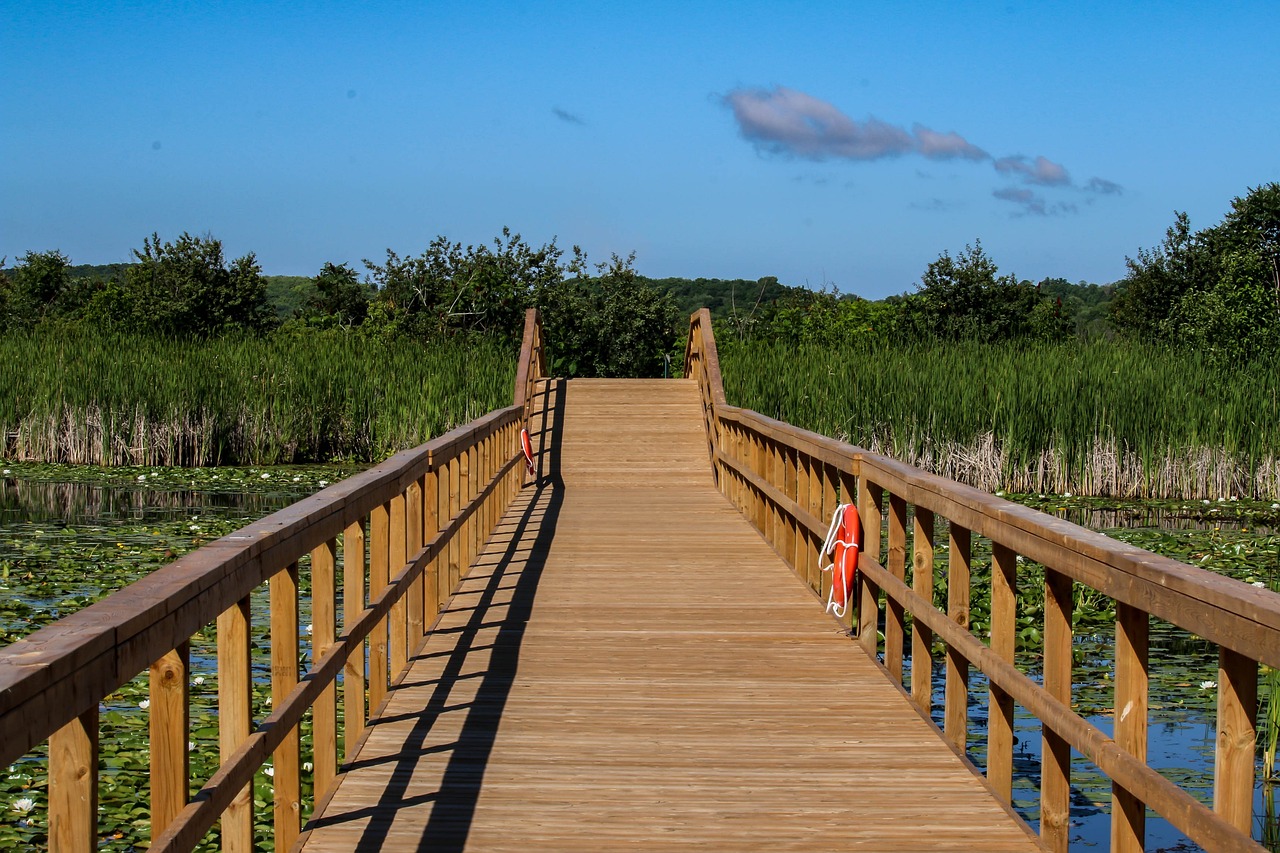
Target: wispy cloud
(1103, 187)
(786, 121)
(791, 123)
(1041, 170)
(1031, 203)
(566, 116)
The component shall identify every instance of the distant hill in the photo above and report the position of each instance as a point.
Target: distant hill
(722, 296)
(287, 293)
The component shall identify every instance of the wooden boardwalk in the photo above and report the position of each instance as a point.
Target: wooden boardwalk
(629, 665)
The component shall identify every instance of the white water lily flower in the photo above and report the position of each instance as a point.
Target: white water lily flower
(1260, 584)
(24, 804)
(1066, 494)
(266, 476)
(1206, 503)
(324, 483)
(191, 746)
(307, 629)
(1208, 685)
(144, 704)
(198, 680)
(999, 494)
(142, 476)
(1275, 506)
(297, 479)
(270, 771)
(307, 766)
(7, 471)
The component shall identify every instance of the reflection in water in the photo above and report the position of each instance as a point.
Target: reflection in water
(82, 503)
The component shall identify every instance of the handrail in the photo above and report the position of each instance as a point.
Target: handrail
(533, 362)
(787, 482)
(425, 514)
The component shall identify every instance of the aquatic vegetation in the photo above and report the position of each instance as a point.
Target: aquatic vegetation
(86, 397)
(1100, 418)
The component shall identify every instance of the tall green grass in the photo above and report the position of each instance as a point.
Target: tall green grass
(115, 400)
(1104, 418)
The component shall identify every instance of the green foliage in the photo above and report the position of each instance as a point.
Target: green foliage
(965, 298)
(185, 288)
(737, 301)
(38, 287)
(447, 290)
(120, 399)
(611, 325)
(1215, 290)
(1054, 416)
(338, 298)
(288, 294)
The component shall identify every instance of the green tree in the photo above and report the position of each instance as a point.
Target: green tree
(966, 298)
(39, 287)
(448, 290)
(186, 288)
(1217, 289)
(340, 298)
(614, 324)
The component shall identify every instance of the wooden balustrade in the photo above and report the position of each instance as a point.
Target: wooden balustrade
(406, 530)
(787, 482)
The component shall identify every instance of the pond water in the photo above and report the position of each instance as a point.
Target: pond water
(70, 535)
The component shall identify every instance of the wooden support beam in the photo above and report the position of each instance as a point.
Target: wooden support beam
(286, 778)
(170, 725)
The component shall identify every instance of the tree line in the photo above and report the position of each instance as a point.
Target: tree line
(1216, 290)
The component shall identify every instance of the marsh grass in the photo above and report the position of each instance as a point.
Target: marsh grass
(87, 398)
(1102, 418)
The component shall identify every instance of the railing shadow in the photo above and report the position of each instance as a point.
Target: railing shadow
(512, 584)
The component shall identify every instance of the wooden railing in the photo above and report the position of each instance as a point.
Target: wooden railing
(787, 482)
(406, 529)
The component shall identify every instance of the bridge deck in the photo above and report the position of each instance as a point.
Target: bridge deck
(630, 665)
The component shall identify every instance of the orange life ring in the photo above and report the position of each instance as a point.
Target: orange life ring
(844, 541)
(527, 446)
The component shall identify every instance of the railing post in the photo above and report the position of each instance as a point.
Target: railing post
(353, 672)
(922, 585)
(959, 548)
(235, 717)
(1233, 767)
(286, 777)
(1128, 813)
(895, 616)
(170, 723)
(324, 713)
(379, 566)
(73, 785)
(813, 575)
(397, 542)
(414, 601)
(1004, 609)
(869, 501)
(1055, 767)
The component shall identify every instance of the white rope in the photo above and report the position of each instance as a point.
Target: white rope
(839, 608)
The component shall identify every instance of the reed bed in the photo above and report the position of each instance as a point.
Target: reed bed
(121, 400)
(1105, 418)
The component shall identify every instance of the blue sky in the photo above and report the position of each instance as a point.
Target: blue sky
(838, 143)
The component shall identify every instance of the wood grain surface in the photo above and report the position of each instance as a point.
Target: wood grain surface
(629, 665)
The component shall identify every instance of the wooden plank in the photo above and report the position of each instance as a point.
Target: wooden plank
(921, 636)
(1128, 811)
(959, 550)
(398, 623)
(894, 617)
(1055, 770)
(286, 778)
(1233, 767)
(870, 500)
(379, 575)
(169, 725)
(1004, 615)
(578, 657)
(324, 598)
(354, 714)
(73, 786)
(413, 526)
(235, 718)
